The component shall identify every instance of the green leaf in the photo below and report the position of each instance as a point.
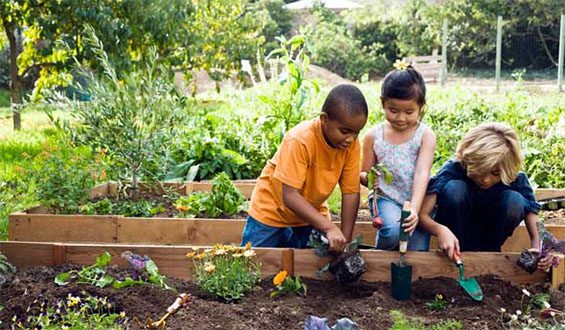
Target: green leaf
(103, 259)
(62, 279)
(105, 280)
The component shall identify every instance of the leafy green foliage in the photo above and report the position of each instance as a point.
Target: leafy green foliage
(287, 104)
(224, 199)
(334, 48)
(378, 168)
(5, 268)
(128, 208)
(226, 271)
(86, 312)
(224, 31)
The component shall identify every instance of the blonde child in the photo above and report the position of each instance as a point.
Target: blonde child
(480, 197)
(405, 145)
(290, 196)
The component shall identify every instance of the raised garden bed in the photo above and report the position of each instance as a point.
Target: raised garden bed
(368, 304)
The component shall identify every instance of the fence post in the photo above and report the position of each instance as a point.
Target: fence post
(561, 54)
(498, 51)
(443, 77)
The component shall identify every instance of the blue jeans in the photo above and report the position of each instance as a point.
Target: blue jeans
(261, 235)
(387, 237)
(480, 219)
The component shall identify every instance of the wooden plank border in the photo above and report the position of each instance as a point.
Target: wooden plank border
(172, 261)
(167, 231)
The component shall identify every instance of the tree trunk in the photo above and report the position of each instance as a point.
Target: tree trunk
(15, 79)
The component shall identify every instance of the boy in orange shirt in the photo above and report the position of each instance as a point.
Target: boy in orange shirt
(290, 196)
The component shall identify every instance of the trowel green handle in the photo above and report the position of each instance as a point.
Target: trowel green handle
(459, 264)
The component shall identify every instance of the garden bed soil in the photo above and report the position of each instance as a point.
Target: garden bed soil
(368, 304)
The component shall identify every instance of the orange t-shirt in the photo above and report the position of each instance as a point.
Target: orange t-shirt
(306, 162)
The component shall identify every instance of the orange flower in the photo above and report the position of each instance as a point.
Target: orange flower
(280, 277)
(183, 208)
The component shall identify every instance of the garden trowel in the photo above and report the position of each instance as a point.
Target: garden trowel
(470, 285)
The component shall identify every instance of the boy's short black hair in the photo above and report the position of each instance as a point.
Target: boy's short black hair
(345, 99)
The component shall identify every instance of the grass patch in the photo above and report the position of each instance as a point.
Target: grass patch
(4, 98)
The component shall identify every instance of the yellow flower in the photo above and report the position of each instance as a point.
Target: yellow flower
(249, 253)
(400, 65)
(209, 267)
(122, 314)
(190, 255)
(247, 246)
(280, 277)
(64, 327)
(219, 252)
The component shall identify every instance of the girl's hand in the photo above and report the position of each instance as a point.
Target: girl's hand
(544, 263)
(411, 222)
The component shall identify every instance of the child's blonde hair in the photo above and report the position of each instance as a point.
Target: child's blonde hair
(489, 146)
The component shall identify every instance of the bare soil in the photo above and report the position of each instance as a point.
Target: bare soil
(368, 304)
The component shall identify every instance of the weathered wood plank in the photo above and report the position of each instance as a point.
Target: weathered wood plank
(62, 228)
(168, 231)
(171, 260)
(542, 194)
(426, 265)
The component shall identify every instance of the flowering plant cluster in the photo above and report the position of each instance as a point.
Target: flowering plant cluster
(73, 312)
(226, 271)
(549, 317)
(285, 284)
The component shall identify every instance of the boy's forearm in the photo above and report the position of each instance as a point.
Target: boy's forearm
(299, 205)
(532, 226)
(349, 208)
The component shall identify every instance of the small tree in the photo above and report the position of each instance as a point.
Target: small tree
(130, 119)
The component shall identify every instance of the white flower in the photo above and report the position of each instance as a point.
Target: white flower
(546, 304)
(249, 253)
(552, 314)
(518, 312)
(503, 310)
(526, 292)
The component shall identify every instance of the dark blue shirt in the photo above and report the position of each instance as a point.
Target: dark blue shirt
(452, 170)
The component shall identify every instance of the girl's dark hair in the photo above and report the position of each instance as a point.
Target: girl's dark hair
(406, 84)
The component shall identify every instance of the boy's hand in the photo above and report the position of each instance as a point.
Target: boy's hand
(544, 264)
(336, 239)
(411, 222)
(447, 242)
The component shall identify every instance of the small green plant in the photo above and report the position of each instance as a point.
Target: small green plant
(286, 285)
(226, 271)
(438, 304)
(224, 199)
(94, 274)
(87, 312)
(401, 322)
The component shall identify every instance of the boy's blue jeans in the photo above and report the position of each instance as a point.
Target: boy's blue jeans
(388, 236)
(261, 235)
(480, 219)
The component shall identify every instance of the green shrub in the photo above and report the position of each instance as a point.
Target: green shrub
(64, 179)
